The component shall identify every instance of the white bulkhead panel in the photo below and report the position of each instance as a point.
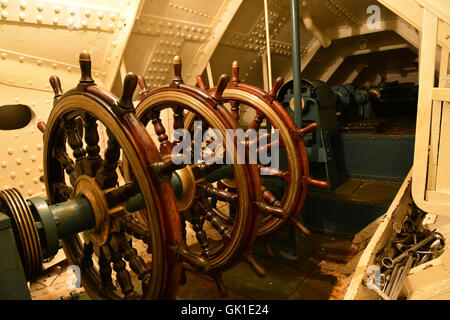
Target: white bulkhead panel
(43, 38)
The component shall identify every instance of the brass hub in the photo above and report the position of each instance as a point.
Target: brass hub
(230, 183)
(87, 187)
(188, 182)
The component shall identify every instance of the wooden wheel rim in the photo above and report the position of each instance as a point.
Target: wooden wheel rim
(238, 246)
(291, 201)
(161, 277)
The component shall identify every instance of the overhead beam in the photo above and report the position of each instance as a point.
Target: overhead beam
(116, 48)
(224, 17)
(412, 12)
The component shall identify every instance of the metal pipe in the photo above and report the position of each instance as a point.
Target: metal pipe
(210, 77)
(269, 62)
(73, 216)
(296, 66)
(265, 72)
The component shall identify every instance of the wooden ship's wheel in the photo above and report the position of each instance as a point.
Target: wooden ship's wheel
(90, 178)
(284, 187)
(225, 197)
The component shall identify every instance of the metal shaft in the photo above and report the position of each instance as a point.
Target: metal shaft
(296, 66)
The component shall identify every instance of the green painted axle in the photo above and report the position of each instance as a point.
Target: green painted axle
(68, 218)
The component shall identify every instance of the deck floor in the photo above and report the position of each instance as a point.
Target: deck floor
(322, 275)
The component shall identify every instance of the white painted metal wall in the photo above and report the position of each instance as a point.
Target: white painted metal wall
(39, 38)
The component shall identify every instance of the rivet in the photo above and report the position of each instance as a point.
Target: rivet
(97, 25)
(108, 59)
(112, 17)
(69, 69)
(10, 151)
(110, 26)
(54, 65)
(25, 148)
(4, 14)
(19, 161)
(33, 158)
(3, 55)
(4, 3)
(23, 5)
(22, 16)
(43, 188)
(84, 23)
(87, 13)
(13, 175)
(39, 146)
(71, 11)
(55, 20)
(57, 9)
(100, 15)
(114, 44)
(40, 6)
(30, 192)
(35, 180)
(41, 168)
(4, 164)
(21, 184)
(39, 18)
(27, 171)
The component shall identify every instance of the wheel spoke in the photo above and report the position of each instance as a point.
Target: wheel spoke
(105, 270)
(235, 109)
(107, 177)
(276, 173)
(257, 120)
(63, 189)
(122, 275)
(222, 195)
(212, 216)
(67, 163)
(178, 118)
(121, 194)
(200, 234)
(137, 263)
(165, 145)
(133, 227)
(269, 197)
(73, 139)
(86, 257)
(93, 160)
